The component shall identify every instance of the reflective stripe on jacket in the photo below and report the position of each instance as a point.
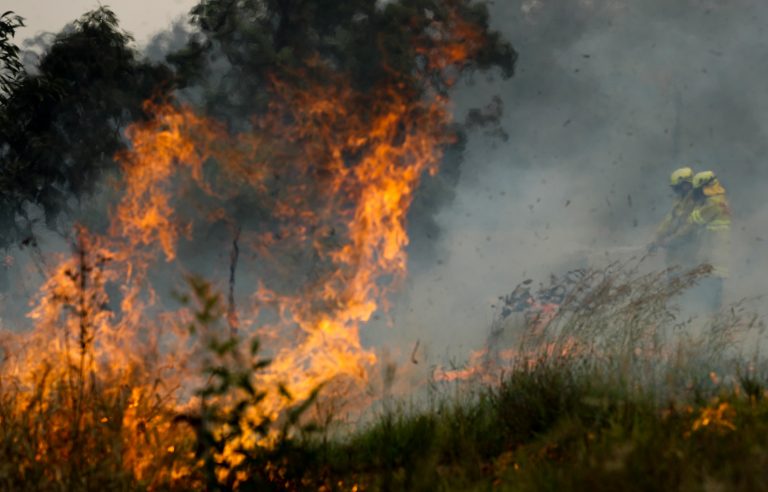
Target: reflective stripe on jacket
(713, 220)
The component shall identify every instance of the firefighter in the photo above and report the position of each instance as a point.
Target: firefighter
(680, 248)
(710, 221)
(712, 217)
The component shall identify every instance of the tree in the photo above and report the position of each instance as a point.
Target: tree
(60, 127)
(243, 44)
(10, 65)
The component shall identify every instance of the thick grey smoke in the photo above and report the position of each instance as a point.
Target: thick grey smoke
(609, 97)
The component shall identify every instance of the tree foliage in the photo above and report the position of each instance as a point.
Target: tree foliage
(243, 42)
(61, 124)
(10, 64)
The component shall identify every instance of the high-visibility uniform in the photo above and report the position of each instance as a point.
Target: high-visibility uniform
(680, 245)
(710, 222)
(712, 216)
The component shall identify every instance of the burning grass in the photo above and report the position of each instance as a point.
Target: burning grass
(560, 427)
(116, 387)
(330, 172)
(648, 410)
(618, 391)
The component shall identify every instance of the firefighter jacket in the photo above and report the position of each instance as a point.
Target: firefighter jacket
(713, 218)
(675, 236)
(710, 221)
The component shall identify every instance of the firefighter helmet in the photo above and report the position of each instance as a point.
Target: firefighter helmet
(703, 178)
(684, 174)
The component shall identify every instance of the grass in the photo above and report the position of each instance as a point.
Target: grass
(617, 392)
(557, 427)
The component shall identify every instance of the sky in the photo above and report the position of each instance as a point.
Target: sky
(141, 18)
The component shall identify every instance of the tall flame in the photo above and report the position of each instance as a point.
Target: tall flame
(335, 168)
(365, 202)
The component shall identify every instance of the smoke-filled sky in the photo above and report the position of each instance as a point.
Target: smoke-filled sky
(609, 97)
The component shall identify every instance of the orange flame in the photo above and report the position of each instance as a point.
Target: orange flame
(335, 168)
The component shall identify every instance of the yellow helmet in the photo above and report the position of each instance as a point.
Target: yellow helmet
(703, 178)
(681, 175)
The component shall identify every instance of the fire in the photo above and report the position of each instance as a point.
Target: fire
(367, 203)
(336, 170)
(489, 366)
(175, 139)
(445, 51)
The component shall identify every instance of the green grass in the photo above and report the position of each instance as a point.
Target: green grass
(558, 427)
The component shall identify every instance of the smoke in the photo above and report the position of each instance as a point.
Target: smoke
(608, 98)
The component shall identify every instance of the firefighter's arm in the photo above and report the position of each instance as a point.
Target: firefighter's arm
(686, 228)
(706, 213)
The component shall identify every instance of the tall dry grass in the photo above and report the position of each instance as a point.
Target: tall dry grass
(618, 389)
